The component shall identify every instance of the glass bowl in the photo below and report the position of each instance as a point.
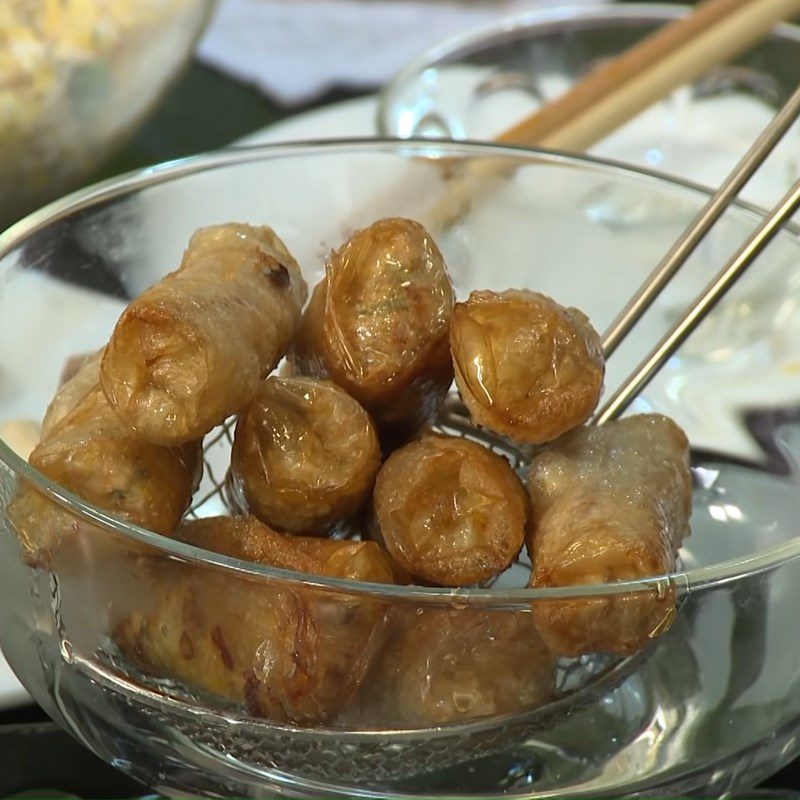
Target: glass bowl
(711, 704)
(77, 77)
(476, 85)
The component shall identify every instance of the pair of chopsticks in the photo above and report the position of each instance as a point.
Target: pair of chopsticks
(615, 92)
(675, 55)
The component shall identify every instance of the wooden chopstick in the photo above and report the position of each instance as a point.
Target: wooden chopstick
(676, 54)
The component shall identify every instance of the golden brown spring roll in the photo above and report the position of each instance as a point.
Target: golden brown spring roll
(442, 666)
(72, 364)
(377, 325)
(525, 366)
(304, 456)
(449, 510)
(193, 349)
(608, 503)
(88, 451)
(249, 539)
(295, 653)
(81, 374)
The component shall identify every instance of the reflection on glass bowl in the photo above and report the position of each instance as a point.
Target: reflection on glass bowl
(711, 705)
(476, 85)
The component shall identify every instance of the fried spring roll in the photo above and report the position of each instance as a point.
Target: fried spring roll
(377, 325)
(193, 349)
(296, 654)
(449, 510)
(442, 666)
(81, 375)
(525, 366)
(87, 450)
(249, 539)
(305, 455)
(609, 503)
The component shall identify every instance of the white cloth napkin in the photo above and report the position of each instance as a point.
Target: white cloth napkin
(294, 50)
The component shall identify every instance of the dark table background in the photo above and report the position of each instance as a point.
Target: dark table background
(204, 111)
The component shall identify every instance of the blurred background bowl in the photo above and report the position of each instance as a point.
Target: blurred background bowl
(476, 85)
(710, 705)
(77, 79)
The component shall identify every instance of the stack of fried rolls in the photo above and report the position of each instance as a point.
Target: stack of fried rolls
(338, 472)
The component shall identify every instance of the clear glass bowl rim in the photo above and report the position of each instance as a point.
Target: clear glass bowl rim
(685, 581)
(529, 23)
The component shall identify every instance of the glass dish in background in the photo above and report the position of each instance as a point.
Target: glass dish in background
(477, 85)
(712, 705)
(77, 78)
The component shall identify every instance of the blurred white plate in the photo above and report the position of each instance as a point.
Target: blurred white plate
(339, 120)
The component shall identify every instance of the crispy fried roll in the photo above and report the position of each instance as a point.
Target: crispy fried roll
(525, 366)
(449, 511)
(87, 450)
(377, 325)
(80, 376)
(296, 654)
(442, 666)
(305, 455)
(192, 350)
(251, 540)
(609, 503)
